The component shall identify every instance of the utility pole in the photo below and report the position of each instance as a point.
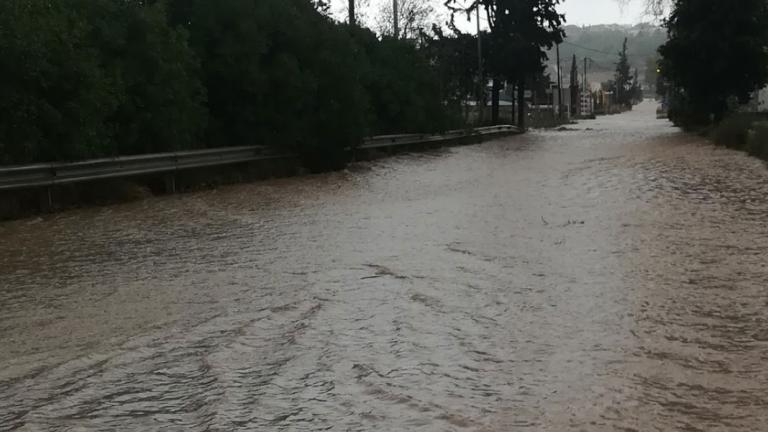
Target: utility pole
(559, 86)
(395, 18)
(481, 85)
(586, 88)
(352, 21)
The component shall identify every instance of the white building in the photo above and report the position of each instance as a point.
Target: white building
(762, 100)
(587, 104)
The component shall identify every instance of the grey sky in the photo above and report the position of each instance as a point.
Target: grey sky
(580, 12)
(583, 12)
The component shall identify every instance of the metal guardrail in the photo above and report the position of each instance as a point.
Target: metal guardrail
(45, 175)
(398, 140)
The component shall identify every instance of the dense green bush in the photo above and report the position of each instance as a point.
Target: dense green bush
(88, 78)
(54, 96)
(733, 130)
(278, 73)
(404, 89)
(757, 140)
(91, 78)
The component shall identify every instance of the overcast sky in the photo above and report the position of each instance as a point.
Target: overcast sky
(580, 12)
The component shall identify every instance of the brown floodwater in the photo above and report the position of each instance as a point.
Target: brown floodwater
(608, 277)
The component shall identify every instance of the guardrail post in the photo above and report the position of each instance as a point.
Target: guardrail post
(46, 199)
(170, 183)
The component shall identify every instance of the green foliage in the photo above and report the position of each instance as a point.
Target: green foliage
(404, 89)
(456, 64)
(521, 32)
(54, 92)
(574, 86)
(92, 78)
(743, 131)
(757, 140)
(716, 51)
(158, 91)
(277, 73)
(733, 131)
(623, 78)
(637, 88)
(651, 72)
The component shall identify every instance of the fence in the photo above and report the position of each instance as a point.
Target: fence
(53, 174)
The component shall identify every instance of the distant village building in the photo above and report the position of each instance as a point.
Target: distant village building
(564, 104)
(762, 100)
(587, 107)
(758, 103)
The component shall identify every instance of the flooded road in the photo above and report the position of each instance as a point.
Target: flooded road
(609, 277)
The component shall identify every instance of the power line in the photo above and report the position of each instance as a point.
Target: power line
(595, 50)
(587, 48)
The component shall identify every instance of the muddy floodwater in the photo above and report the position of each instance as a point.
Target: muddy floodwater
(612, 276)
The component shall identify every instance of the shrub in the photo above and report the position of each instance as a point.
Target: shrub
(757, 140)
(278, 73)
(91, 78)
(732, 132)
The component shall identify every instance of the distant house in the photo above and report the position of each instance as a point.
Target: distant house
(587, 107)
(762, 100)
(758, 103)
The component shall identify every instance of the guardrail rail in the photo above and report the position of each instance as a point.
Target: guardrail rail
(53, 174)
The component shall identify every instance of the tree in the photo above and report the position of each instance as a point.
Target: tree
(637, 88)
(716, 51)
(623, 78)
(403, 87)
(93, 78)
(280, 73)
(454, 57)
(574, 86)
(520, 31)
(414, 16)
(651, 72)
(324, 6)
(653, 8)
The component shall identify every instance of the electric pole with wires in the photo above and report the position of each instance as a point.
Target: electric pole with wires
(481, 77)
(559, 86)
(396, 19)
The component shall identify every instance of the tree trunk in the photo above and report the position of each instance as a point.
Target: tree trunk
(574, 102)
(495, 101)
(521, 104)
(513, 119)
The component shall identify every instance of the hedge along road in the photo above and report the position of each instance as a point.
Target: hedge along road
(609, 277)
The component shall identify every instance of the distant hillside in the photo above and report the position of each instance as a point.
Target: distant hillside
(601, 43)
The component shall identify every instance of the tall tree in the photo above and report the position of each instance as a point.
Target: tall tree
(455, 58)
(653, 8)
(651, 72)
(414, 16)
(716, 51)
(520, 31)
(623, 78)
(93, 78)
(637, 88)
(323, 6)
(574, 86)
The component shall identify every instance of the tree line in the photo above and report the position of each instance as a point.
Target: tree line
(84, 79)
(715, 58)
(96, 78)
